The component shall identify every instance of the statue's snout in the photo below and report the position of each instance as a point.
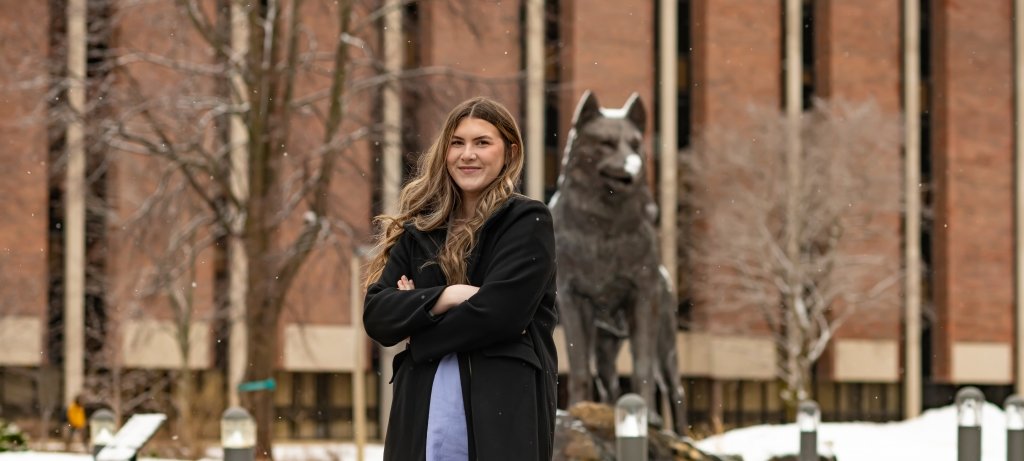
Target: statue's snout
(624, 169)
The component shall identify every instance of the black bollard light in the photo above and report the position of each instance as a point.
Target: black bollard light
(969, 401)
(808, 418)
(102, 427)
(238, 435)
(1014, 408)
(631, 428)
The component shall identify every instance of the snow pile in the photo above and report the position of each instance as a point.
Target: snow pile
(931, 436)
(313, 451)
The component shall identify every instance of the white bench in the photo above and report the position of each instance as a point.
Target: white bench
(131, 437)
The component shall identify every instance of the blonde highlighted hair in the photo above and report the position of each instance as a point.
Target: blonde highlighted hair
(431, 198)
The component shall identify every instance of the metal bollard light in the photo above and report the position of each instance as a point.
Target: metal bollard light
(631, 428)
(1014, 408)
(102, 427)
(808, 418)
(969, 402)
(238, 435)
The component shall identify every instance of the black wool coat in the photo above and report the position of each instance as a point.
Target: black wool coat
(502, 336)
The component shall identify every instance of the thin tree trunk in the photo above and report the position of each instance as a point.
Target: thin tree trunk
(717, 405)
(261, 366)
(263, 302)
(185, 431)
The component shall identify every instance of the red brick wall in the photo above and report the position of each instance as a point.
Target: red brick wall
(861, 64)
(320, 294)
(477, 47)
(736, 65)
(972, 151)
(23, 152)
(855, 62)
(736, 59)
(608, 48)
(141, 229)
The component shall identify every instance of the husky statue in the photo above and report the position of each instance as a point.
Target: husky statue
(611, 285)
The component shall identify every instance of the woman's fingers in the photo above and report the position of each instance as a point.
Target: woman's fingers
(405, 283)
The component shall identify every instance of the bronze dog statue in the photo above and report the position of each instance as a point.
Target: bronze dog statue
(610, 282)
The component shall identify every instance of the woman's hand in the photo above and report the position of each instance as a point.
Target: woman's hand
(405, 284)
(452, 296)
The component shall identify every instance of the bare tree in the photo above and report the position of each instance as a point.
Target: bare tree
(167, 82)
(735, 195)
(173, 281)
(302, 84)
(292, 93)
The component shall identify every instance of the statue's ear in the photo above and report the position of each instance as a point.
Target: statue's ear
(635, 112)
(587, 110)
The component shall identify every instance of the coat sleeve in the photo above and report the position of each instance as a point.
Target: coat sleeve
(517, 273)
(391, 315)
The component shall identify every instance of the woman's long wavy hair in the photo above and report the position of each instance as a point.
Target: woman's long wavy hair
(431, 198)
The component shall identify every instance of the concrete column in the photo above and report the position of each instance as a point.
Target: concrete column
(794, 169)
(912, 216)
(74, 223)
(534, 99)
(392, 106)
(392, 111)
(669, 185)
(1018, 154)
(359, 367)
(238, 137)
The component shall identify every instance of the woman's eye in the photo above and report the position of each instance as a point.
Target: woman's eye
(456, 143)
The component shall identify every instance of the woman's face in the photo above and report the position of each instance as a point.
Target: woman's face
(476, 156)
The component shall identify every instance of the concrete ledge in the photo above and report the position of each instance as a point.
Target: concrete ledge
(154, 344)
(982, 363)
(867, 360)
(701, 354)
(320, 348)
(741, 357)
(21, 340)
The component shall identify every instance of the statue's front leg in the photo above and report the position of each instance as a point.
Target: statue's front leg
(643, 318)
(606, 353)
(578, 324)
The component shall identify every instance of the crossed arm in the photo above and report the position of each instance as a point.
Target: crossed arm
(455, 318)
(452, 296)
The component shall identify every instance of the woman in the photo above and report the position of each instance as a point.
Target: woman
(466, 272)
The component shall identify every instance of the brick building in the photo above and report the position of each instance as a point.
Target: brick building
(729, 58)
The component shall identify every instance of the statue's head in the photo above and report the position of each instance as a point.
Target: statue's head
(605, 147)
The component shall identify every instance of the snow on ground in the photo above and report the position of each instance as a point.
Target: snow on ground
(283, 451)
(43, 456)
(932, 436)
(312, 452)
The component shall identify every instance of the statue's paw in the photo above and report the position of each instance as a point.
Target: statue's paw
(655, 420)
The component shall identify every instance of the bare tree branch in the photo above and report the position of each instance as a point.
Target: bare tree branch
(736, 192)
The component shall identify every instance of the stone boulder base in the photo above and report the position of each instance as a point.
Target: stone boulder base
(587, 433)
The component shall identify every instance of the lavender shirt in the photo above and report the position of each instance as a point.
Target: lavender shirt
(447, 438)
